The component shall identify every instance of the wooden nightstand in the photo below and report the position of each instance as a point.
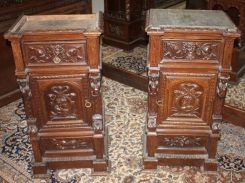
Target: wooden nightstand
(57, 60)
(189, 65)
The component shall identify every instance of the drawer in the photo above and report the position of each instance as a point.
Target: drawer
(66, 146)
(38, 53)
(191, 50)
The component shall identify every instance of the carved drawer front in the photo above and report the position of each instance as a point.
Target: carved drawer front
(60, 101)
(55, 53)
(63, 146)
(180, 50)
(181, 141)
(186, 98)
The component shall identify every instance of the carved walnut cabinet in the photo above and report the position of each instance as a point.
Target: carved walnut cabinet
(58, 69)
(189, 57)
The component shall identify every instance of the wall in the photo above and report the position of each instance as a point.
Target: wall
(97, 5)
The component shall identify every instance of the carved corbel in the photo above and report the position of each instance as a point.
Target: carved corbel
(216, 127)
(32, 126)
(95, 83)
(152, 120)
(153, 82)
(97, 122)
(222, 85)
(24, 86)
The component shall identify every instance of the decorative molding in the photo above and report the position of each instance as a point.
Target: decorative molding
(24, 86)
(153, 82)
(187, 100)
(59, 76)
(181, 141)
(6, 3)
(68, 144)
(56, 53)
(95, 83)
(222, 85)
(127, 10)
(152, 120)
(182, 156)
(176, 50)
(97, 122)
(61, 101)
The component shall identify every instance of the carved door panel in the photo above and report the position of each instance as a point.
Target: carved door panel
(60, 101)
(186, 98)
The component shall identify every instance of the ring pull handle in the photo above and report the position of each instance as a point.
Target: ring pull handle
(87, 104)
(159, 103)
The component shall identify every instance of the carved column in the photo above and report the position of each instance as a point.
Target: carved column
(153, 88)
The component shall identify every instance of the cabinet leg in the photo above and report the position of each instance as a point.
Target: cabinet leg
(100, 165)
(99, 145)
(150, 163)
(39, 170)
(151, 143)
(210, 165)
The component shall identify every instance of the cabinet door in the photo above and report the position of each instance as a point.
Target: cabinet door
(187, 98)
(59, 101)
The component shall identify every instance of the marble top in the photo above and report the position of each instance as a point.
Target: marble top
(192, 19)
(57, 23)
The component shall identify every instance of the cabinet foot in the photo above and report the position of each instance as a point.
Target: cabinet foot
(210, 165)
(150, 163)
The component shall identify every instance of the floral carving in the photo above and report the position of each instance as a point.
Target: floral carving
(61, 102)
(153, 82)
(181, 141)
(66, 144)
(190, 50)
(186, 100)
(56, 53)
(97, 122)
(95, 83)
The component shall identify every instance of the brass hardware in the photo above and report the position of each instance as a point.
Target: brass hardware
(87, 104)
(159, 103)
(56, 60)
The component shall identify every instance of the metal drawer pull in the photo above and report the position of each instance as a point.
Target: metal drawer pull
(87, 104)
(56, 60)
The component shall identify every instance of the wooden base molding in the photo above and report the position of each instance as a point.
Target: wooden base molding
(234, 115)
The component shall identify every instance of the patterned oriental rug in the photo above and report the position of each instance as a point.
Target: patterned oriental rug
(125, 114)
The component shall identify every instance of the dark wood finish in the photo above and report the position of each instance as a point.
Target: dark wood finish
(236, 11)
(9, 11)
(197, 4)
(124, 23)
(234, 115)
(58, 70)
(189, 66)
